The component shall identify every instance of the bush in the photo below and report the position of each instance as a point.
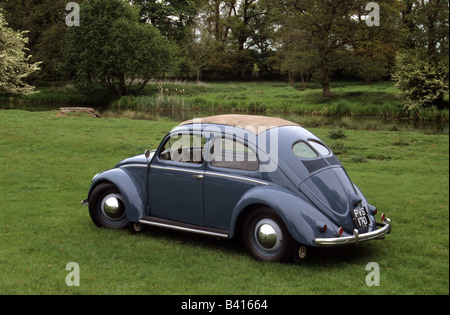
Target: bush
(424, 82)
(337, 134)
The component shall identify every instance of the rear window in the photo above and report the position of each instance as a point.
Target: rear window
(303, 150)
(310, 150)
(320, 148)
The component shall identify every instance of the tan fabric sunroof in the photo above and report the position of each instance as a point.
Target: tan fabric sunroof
(255, 124)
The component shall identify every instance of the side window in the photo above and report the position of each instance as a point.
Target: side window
(232, 154)
(186, 148)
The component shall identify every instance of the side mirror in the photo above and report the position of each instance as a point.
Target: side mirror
(147, 153)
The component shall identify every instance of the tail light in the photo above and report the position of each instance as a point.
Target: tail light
(321, 227)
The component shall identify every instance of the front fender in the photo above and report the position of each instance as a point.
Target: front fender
(300, 217)
(131, 190)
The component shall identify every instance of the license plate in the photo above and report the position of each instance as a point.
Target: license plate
(360, 217)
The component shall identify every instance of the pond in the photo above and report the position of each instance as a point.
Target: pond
(307, 121)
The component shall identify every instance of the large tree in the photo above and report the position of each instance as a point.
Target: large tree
(237, 34)
(428, 26)
(112, 51)
(173, 18)
(44, 21)
(14, 61)
(329, 26)
(423, 66)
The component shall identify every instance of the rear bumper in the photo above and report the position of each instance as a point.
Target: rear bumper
(356, 237)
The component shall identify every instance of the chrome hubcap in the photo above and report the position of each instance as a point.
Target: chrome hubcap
(113, 208)
(268, 235)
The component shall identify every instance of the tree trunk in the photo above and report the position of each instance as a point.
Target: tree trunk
(217, 32)
(291, 78)
(367, 81)
(303, 80)
(197, 70)
(325, 73)
(326, 91)
(123, 89)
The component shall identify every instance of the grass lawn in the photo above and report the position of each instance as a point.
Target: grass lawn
(349, 99)
(47, 162)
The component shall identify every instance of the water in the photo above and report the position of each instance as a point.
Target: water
(307, 121)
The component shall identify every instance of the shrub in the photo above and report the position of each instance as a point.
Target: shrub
(424, 82)
(337, 134)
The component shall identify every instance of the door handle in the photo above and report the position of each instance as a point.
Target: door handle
(197, 176)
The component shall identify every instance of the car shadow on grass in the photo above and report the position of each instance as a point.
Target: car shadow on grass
(344, 255)
(326, 257)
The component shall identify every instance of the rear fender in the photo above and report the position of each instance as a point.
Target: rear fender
(132, 192)
(300, 217)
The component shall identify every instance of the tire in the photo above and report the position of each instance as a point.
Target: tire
(266, 237)
(106, 207)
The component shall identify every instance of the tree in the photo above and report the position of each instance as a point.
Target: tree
(113, 52)
(423, 82)
(429, 26)
(196, 48)
(371, 60)
(14, 61)
(44, 21)
(422, 68)
(173, 18)
(297, 57)
(329, 26)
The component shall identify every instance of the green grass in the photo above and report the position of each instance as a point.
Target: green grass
(350, 99)
(47, 162)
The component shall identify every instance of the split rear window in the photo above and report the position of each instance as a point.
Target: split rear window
(310, 150)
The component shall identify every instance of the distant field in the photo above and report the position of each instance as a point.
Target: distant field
(47, 162)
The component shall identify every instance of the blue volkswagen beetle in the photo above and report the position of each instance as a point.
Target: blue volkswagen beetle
(268, 180)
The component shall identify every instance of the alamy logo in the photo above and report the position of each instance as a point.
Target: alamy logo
(373, 17)
(73, 18)
(73, 277)
(373, 277)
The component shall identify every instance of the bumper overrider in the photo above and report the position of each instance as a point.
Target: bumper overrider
(385, 228)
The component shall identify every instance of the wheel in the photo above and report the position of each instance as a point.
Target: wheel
(266, 237)
(106, 207)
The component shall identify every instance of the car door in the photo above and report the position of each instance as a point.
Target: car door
(232, 171)
(176, 180)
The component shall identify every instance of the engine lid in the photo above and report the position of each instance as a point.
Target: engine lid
(333, 193)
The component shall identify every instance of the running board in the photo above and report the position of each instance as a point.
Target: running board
(174, 225)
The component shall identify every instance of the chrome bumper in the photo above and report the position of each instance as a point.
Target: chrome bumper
(85, 202)
(356, 237)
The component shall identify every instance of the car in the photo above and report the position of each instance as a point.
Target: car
(266, 180)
